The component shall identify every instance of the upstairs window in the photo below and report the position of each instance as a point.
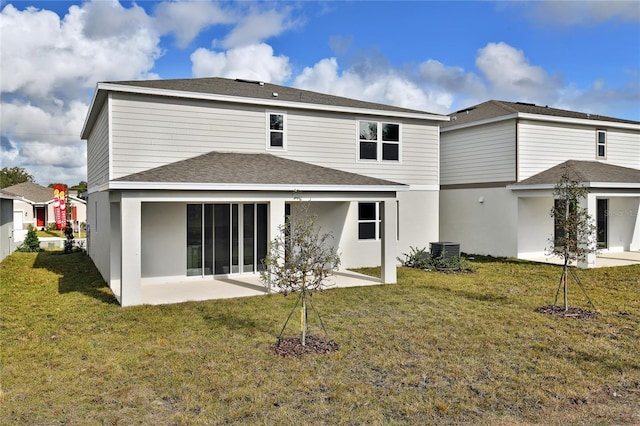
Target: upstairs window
(601, 144)
(276, 138)
(378, 141)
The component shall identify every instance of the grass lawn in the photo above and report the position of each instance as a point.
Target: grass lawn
(58, 233)
(432, 349)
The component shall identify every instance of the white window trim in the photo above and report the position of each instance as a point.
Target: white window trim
(379, 142)
(598, 131)
(268, 131)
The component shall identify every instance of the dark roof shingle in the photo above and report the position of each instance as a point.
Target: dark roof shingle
(258, 169)
(259, 90)
(493, 109)
(31, 191)
(584, 171)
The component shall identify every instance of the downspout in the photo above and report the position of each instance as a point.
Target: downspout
(517, 148)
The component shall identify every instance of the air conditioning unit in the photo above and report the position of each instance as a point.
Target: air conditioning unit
(449, 249)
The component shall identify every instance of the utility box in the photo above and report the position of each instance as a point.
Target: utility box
(450, 249)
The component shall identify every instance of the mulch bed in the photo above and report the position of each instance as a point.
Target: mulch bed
(292, 346)
(569, 313)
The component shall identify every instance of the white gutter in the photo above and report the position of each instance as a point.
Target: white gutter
(124, 185)
(581, 121)
(478, 123)
(546, 118)
(611, 185)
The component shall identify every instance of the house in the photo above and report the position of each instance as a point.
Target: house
(499, 164)
(7, 244)
(33, 205)
(189, 179)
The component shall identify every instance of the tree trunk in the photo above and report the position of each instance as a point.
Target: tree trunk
(303, 318)
(564, 284)
(303, 313)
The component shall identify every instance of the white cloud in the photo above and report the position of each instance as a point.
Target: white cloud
(64, 57)
(259, 26)
(256, 62)
(47, 72)
(511, 76)
(372, 84)
(45, 142)
(30, 123)
(107, 18)
(600, 98)
(451, 79)
(187, 19)
(570, 13)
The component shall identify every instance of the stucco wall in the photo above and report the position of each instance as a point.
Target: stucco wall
(6, 227)
(99, 231)
(535, 226)
(163, 241)
(623, 222)
(487, 227)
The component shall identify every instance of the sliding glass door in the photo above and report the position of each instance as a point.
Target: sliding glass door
(226, 239)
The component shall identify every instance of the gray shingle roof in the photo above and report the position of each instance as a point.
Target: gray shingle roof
(493, 109)
(259, 169)
(259, 90)
(31, 191)
(584, 171)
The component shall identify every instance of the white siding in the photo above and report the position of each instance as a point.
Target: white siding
(623, 148)
(544, 145)
(478, 154)
(150, 132)
(98, 150)
(330, 140)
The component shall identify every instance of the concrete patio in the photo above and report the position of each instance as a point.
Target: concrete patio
(198, 289)
(603, 260)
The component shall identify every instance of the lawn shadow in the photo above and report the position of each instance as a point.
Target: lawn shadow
(77, 274)
(480, 258)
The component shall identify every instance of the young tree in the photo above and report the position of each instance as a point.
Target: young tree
(575, 230)
(10, 176)
(31, 242)
(299, 259)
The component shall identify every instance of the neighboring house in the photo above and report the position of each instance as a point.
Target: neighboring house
(33, 205)
(7, 244)
(499, 164)
(189, 179)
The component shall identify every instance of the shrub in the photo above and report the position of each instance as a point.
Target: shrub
(420, 258)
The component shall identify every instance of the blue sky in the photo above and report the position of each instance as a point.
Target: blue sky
(434, 56)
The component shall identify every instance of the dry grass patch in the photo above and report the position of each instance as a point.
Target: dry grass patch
(433, 349)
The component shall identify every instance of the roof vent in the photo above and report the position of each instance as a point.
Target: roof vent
(243, 80)
(465, 110)
(525, 103)
(588, 115)
(274, 94)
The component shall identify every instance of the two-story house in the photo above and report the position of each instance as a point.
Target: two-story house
(501, 160)
(190, 179)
